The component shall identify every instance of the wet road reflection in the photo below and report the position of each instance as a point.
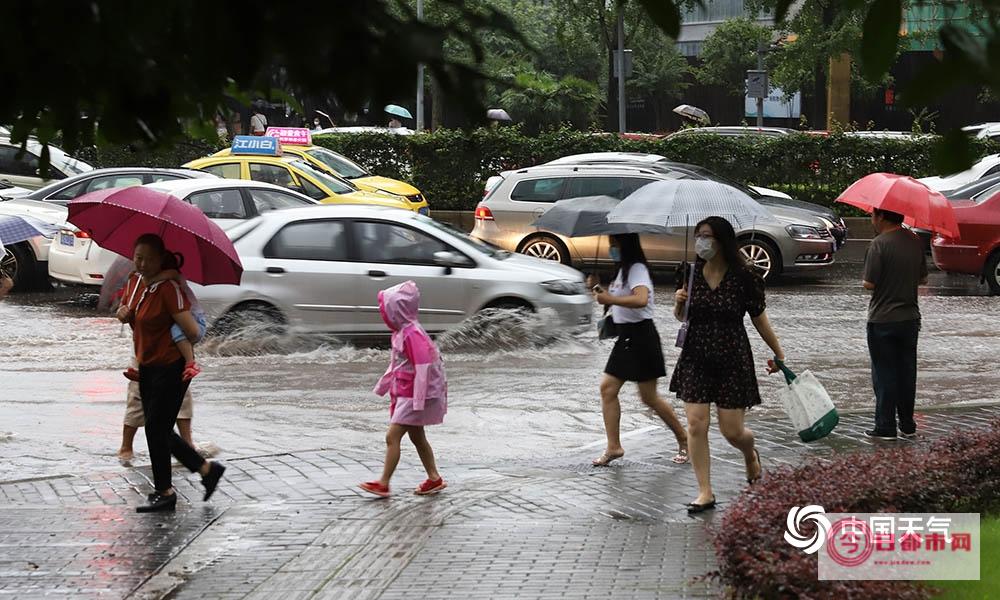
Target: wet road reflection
(514, 391)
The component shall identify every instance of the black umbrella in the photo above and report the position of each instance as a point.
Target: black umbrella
(587, 216)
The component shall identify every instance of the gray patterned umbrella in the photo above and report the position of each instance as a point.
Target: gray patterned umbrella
(586, 216)
(681, 202)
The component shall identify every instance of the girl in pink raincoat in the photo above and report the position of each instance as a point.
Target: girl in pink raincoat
(415, 382)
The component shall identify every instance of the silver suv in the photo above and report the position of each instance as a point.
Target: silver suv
(516, 199)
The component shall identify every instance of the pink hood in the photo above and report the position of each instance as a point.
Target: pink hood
(400, 305)
(415, 368)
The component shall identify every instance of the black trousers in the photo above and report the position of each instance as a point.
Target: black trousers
(162, 392)
(893, 350)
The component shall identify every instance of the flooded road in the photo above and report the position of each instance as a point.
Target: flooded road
(512, 394)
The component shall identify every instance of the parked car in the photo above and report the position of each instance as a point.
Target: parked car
(45, 204)
(504, 218)
(75, 259)
(27, 261)
(986, 167)
(22, 170)
(976, 251)
(319, 270)
(339, 165)
(366, 129)
(768, 197)
(9, 191)
(64, 190)
(295, 174)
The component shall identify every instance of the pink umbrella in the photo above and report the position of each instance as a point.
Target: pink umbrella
(115, 218)
(920, 206)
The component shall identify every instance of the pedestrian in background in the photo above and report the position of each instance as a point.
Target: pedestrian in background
(895, 267)
(158, 306)
(416, 384)
(637, 354)
(716, 362)
(258, 122)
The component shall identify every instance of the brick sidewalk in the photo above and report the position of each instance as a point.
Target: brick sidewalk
(294, 526)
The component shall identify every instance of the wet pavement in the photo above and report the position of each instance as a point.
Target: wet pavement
(63, 393)
(524, 516)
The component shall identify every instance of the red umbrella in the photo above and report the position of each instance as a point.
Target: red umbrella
(115, 218)
(920, 206)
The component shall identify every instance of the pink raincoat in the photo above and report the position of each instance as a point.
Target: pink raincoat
(415, 379)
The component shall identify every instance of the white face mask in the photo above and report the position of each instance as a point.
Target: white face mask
(705, 248)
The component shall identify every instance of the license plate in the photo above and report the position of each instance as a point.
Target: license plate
(67, 239)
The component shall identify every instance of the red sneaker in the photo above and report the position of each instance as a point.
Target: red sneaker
(430, 487)
(375, 487)
(191, 370)
(131, 374)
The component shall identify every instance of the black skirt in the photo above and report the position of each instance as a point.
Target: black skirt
(637, 355)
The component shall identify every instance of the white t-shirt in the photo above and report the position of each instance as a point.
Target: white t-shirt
(638, 276)
(258, 123)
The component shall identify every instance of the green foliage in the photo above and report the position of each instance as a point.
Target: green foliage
(452, 166)
(729, 52)
(155, 72)
(539, 101)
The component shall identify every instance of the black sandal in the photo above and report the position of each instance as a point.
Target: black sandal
(695, 508)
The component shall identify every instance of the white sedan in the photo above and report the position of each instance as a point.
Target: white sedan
(74, 259)
(988, 166)
(319, 270)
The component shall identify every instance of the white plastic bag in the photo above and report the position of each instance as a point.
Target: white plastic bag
(808, 405)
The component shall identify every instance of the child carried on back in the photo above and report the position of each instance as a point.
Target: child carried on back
(172, 264)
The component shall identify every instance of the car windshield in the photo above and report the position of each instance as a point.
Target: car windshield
(487, 249)
(340, 165)
(712, 176)
(335, 184)
(971, 190)
(66, 163)
(986, 194)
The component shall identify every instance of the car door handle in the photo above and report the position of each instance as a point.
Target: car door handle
(377, 274)
(275, 270)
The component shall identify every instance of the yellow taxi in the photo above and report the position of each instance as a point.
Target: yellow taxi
(271, 166)
(296, 141)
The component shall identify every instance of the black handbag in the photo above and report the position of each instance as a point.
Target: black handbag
(607, 329)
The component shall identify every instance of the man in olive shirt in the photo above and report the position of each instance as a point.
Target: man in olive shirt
(894, 267)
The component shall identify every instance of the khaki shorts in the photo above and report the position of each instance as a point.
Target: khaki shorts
(134, 416)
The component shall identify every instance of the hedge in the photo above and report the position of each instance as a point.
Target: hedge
(451, 166)
(958, 473)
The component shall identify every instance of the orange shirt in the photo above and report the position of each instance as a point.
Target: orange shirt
(154, 307)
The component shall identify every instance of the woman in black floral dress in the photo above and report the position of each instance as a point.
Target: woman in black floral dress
(716, 363)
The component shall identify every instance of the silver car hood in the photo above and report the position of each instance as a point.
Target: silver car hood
(546, 269)
(788, 215)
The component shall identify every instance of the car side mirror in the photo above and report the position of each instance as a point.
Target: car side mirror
(450, 260)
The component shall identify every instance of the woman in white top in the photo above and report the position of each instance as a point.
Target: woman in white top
(637, 355)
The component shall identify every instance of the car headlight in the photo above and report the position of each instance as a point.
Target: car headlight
(565, 287)
(803, 232)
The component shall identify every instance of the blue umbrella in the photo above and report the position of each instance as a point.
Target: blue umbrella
(399, 111)
(14, 228)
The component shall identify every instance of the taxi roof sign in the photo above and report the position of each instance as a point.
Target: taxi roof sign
(291, 136)
(256, 145)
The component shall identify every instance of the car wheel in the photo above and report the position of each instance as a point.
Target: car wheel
(252, 318)
(19, 263)
(762, 256)
(546, 248)
(992, 273)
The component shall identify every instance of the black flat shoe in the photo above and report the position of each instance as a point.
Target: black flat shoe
(158, 502)
(215, 471)
(695, 508)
